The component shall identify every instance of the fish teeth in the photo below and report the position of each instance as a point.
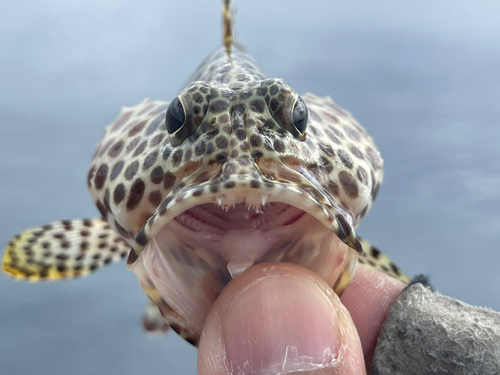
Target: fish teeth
(257, 202)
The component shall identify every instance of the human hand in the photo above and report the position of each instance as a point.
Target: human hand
(280, 318)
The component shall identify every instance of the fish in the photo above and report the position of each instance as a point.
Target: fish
(237, 169)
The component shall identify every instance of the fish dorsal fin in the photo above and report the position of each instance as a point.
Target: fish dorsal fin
(227, 25)
(229, 39)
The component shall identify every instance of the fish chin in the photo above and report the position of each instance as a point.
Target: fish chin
(190, 260)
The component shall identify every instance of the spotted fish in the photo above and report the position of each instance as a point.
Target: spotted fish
(237, 169)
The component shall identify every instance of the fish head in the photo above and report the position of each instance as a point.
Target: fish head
(234, 174)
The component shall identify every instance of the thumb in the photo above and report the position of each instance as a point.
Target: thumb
(279, 318)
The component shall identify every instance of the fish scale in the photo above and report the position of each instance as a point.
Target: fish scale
(231, 138)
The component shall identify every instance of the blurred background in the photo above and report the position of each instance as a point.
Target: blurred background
(423, 77)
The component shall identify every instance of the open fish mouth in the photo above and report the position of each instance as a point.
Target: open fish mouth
(214, 219)
(241, 234)
(202, 241)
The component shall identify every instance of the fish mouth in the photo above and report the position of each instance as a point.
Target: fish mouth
(241, 234)
(199, 242)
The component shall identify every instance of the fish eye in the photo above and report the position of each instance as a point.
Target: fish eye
(176, 116)
(299, 115)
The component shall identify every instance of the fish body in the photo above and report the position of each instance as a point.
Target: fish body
(237, 169)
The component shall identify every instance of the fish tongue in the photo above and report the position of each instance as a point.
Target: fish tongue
(242, 247)
(237, 268)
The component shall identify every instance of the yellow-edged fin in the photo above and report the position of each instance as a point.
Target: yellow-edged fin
(377, 260)
(63, 249)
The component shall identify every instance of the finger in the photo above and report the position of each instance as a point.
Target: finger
(369, 297)
(279, 318)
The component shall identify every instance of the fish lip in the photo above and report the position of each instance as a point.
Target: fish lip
(245, 190)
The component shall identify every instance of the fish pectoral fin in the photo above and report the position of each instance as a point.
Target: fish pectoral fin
(374, 258)
(152, 320)
(63, 250)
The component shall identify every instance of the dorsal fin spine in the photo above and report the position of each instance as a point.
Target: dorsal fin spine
(227, 25)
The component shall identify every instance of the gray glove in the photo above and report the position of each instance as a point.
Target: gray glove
(428, 333)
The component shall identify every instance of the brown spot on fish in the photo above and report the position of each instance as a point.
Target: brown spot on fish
(100, 176)
(198, 192)
(140, 149)
(177, 157)
(168, 180)
(117, 168)
(349, 185)
(240, 134)
(150, 160)
(221, 142)
(136, 193)
(279, 146)
(156, 175)
(167, 152)
(133, 143)
(214, 188)
(356, 152)
(137, 128)
(155, 198)
(115, 150)
(262, 91)
(131, 170)
(218, 106)
(327, 149)
(362, 176)
(257, 106)
(255, 141)
(87, 223)
(200, 148)
(346, 160)
(105, 147)
(156, 140)
(155, 123)
(119, 193)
